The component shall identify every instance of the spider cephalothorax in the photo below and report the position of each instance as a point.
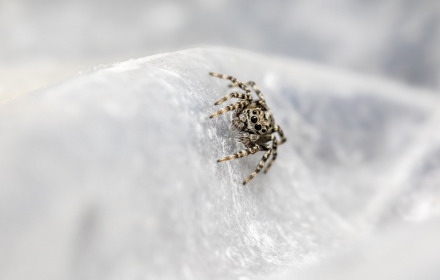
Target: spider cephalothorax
(254, 123)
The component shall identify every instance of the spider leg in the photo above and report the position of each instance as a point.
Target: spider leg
(274, 154)
(262, 100)
(278, 129)
(238, 105)
(233, 80)
(236, 84)
(240, 154)
(260, 166)
(257, 91)
(245, 96)
(255, 88)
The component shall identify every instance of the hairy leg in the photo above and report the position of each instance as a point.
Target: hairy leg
(245, 96)
(232, 79)
(278, 129)
(274, 154)
(257, 91)
(238, 105)
(254, 87)
(240, 154)
(259, 167)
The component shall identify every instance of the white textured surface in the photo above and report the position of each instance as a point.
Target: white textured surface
(112, 174)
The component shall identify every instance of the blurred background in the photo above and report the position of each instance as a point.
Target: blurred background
(351, 164)
(44, 41)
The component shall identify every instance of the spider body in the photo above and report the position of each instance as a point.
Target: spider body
(253, 121)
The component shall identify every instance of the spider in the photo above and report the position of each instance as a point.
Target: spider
(254, 123)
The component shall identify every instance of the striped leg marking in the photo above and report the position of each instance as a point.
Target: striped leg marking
(245, 96)
(240, 154)
(259, 167)
(236, 84)
(254, 87)
(257, 90)
(278, 129)
(233, 80)
(274, 154)
(240, 104)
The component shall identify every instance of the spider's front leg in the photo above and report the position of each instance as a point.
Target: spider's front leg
(243, 153)
(244, 96)
(238, 105)
(260, 165)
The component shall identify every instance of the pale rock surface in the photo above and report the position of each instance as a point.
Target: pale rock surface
(112, 174)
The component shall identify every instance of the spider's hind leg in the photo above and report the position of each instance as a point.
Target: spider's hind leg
(254, 87)
(234, 81)
(257, 90)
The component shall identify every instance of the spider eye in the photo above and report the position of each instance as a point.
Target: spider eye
(254, 112)
(258, 127)
(254, 119)
(264, 130)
